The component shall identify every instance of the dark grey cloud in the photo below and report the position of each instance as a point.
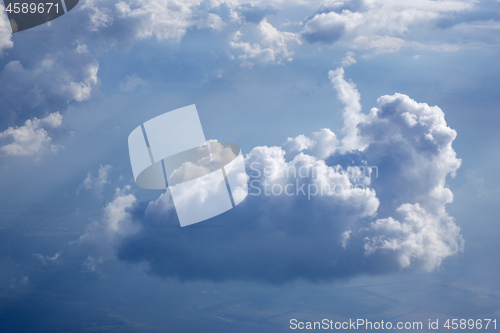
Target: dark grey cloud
(323, 29)
(49, 85)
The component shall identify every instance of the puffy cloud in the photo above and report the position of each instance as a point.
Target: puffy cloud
(320, 208)
(272, 48)
(320, 145)
(116, 216)
(418, 238)
(97, 183)
(31, 138)
(414, 144)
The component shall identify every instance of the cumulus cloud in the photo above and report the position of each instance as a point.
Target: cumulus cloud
(31, 138)
(319, 208)
(418, 237)
(320, 145)
(272, 47)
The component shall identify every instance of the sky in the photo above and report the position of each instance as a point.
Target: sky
(390, 106)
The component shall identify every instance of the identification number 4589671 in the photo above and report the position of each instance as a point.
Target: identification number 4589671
(25, 8)
(470, 324)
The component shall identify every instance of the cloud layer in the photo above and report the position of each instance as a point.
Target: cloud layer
(65, 69)
(377, 25)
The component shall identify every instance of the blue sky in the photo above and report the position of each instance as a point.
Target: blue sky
(293, 84)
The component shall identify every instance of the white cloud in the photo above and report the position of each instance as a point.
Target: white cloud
(348, 60)
(80, 91)
(418, 237)
(97, 183)
(117, 219)
(272, 46)
(321, 144)
(31, 138)
(335, 187)
(422, 234)
(53, 120)
(5, 31)
(164, 19)
(350, 97)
